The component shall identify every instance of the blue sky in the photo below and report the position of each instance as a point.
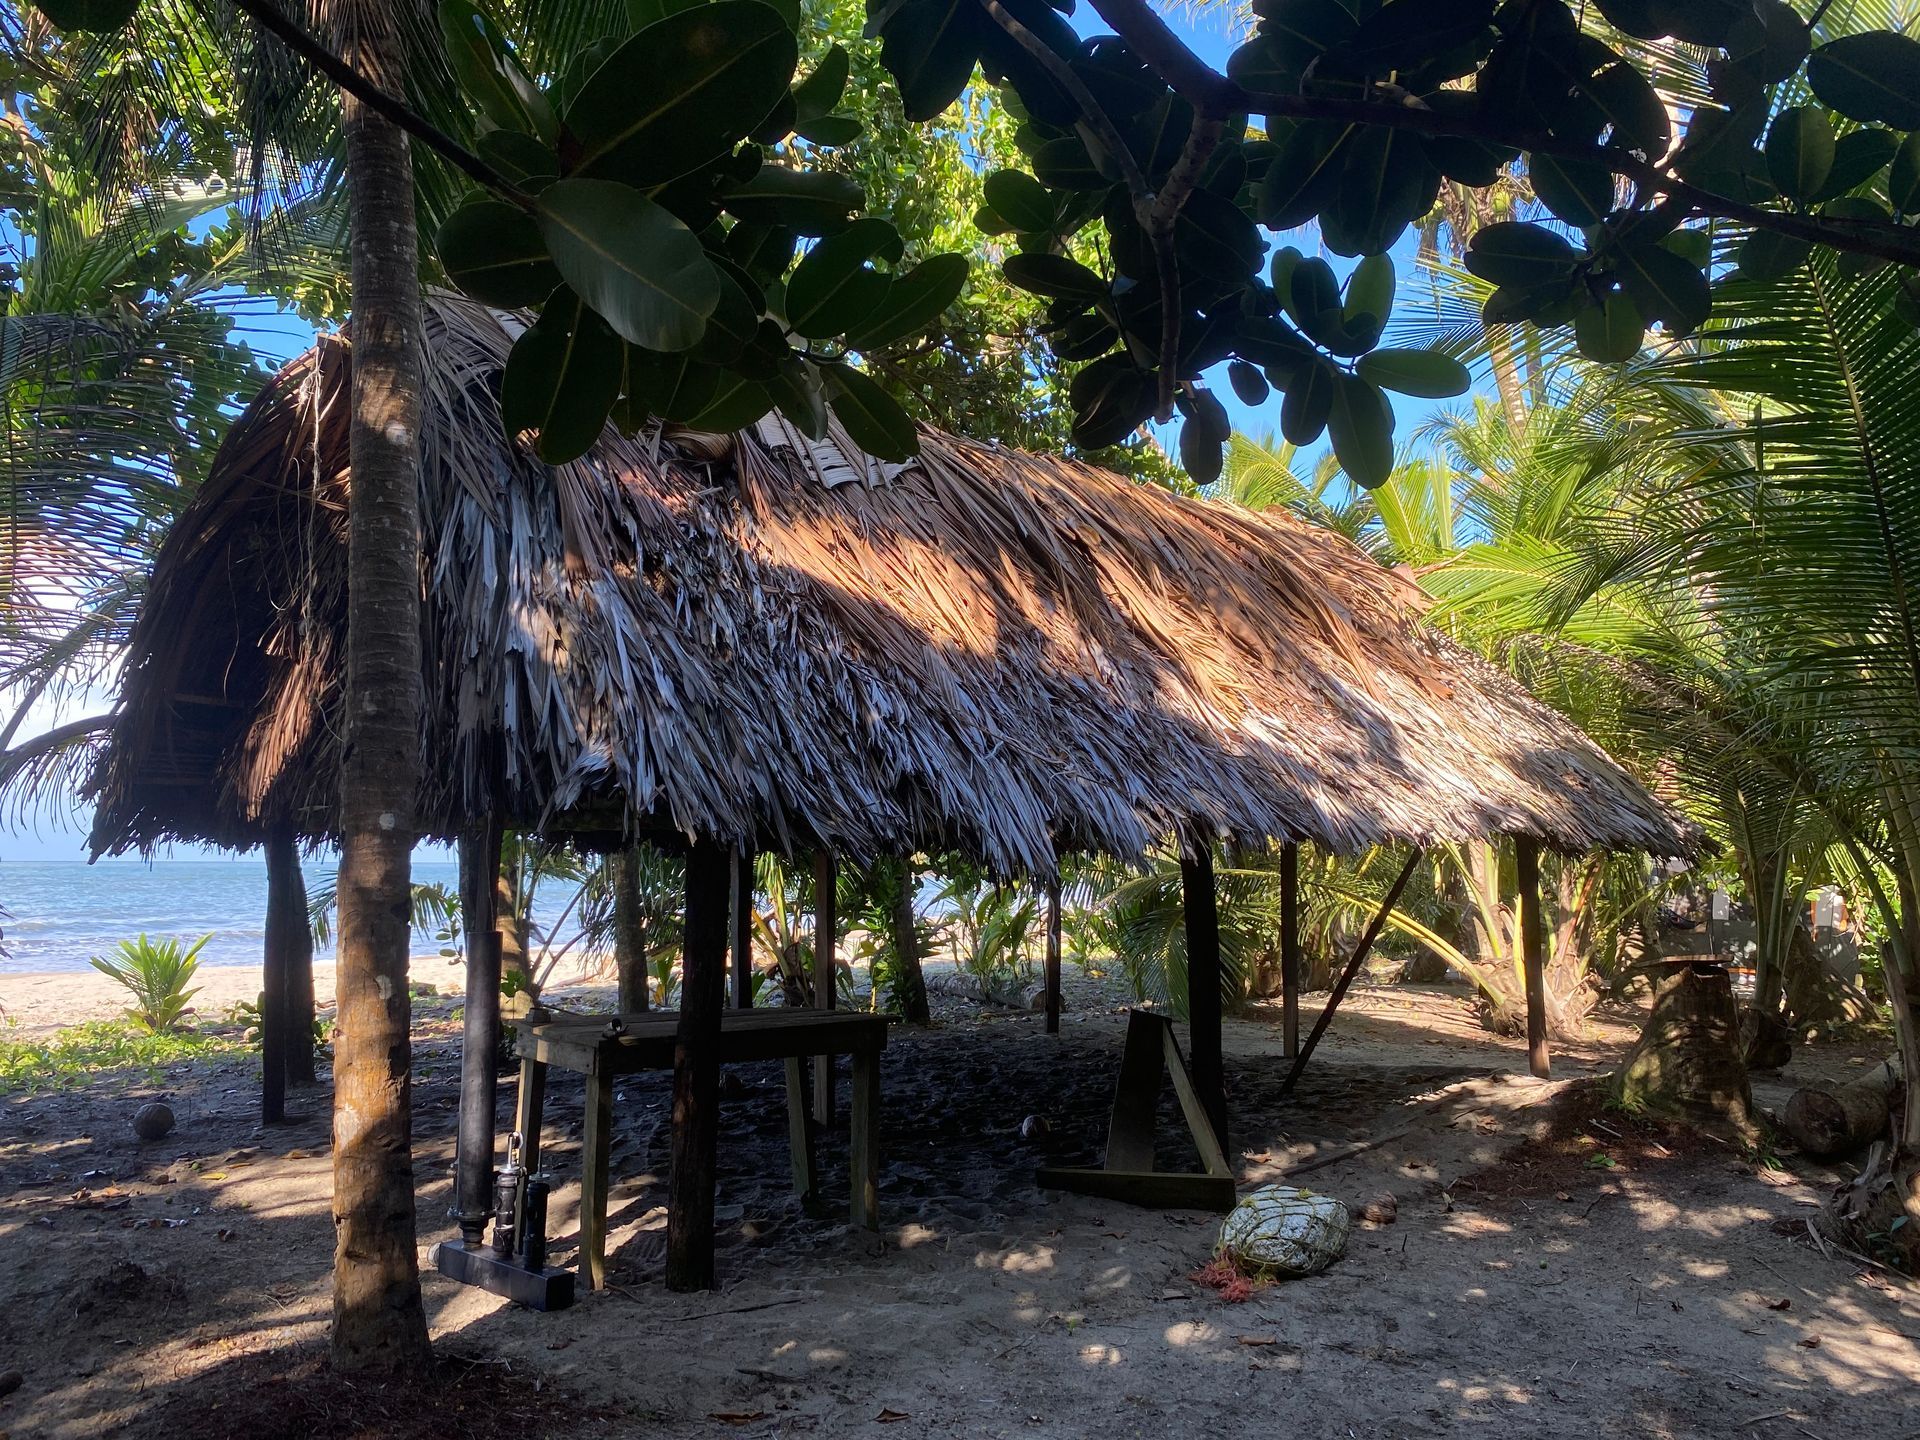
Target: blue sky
(278, 337)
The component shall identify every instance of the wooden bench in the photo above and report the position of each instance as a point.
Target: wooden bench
(591, 1045)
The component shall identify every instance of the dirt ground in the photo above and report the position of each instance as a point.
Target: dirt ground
(1554, 1268)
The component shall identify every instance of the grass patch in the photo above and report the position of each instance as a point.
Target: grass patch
(80, 1053)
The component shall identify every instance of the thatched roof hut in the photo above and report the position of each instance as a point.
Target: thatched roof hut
(763, 640)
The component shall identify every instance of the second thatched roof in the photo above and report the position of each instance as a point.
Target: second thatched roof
(768, 640)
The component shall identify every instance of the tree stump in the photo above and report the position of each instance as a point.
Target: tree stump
(1829, 1121)
(1686, 1065)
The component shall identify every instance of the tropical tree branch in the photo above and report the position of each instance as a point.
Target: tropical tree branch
(1148, 36)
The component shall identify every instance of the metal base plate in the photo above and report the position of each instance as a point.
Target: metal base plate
(549, 1289)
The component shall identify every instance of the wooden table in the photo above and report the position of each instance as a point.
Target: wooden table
(589, 1046)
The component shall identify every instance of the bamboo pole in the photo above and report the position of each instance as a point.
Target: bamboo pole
(1533, 953)
(696, 1072)
(1289, 950)
(475, 1150)
(1052, 978)
(826, 975)
(1359, 958)
(1202, 911)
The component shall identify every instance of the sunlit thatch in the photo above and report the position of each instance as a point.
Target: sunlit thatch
(758, 637)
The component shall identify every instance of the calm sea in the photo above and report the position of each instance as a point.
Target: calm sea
(62, 913)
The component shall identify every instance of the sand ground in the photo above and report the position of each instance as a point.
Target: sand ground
(1551, 1270)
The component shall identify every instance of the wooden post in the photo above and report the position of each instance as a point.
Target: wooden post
(1202, 909)
(1053, 958)
(863, 1144)
(1359, 958)
(826, 972)
(741, 864)
(696, 1071)
(1289, 950)
(275, 981)
(1533, 953)
(475, 1148)
(596, 1149)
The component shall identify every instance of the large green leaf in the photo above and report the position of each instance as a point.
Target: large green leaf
(1580, 192)
(1291, 37)
(869, 415)
(1022, 201)
(1303, 174)
(1426, 374)
(680, 93)
(913, 302)
(495, 252)
(1799, 151)
(1858, 156)
(1513, 253)
(1385, 184)
(630, 260)
(807, 202)
(737, 404)
(1111, 399)
(1370, 291)
(1768, 255)
(674, 387)
(1665, 287)
(93, 15)
(1360, 428)
(561, 379)
(1903, 180)
(795, 388)
(833, 290)
(930, 47)
(816, 95)
(489, 76)
(1609, 333)
(1055, 276)
(1303, 414)
(1873, 76)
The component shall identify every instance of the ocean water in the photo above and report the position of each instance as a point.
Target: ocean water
(61, 913)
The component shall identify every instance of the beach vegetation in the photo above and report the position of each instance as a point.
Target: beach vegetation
(103, 1049)
(157, 973)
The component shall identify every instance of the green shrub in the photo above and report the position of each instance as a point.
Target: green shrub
(155, 973)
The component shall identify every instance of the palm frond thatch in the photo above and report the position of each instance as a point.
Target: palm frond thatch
(755, 637)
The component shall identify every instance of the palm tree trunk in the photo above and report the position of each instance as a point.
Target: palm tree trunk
(629, 930)
(906, 941)
(378, 1321)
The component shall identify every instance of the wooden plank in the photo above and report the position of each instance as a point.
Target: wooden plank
(530, 1110)
(826, 973)
(696, 1072)
(1533, 953)
(1212, 1158)
(1052, 978)
(1290, 950)
(741, 944)
(1359, 958)
(1153, 1190)
(863, 1183)
(649, 1041)
(800, 1131)
(595, 1143)
(1202, 910)
(477, 1147)
(1136, 1095)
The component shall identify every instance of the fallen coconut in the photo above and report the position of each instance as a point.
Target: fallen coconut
(153, 1121)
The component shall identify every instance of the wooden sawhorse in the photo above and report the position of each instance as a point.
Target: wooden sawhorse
(589, 1046)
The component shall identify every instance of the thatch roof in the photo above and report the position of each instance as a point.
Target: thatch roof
(764, 638)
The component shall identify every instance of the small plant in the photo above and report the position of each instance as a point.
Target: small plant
(78, 1054)
(155, 973)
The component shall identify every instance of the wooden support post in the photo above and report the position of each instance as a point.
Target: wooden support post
(1533, 952)
(596, 1147)
(276, 1037)
(696, 1071)
(1359, 958)
(475, 1148)
(1202, 910)
(741, 944)
(826, 972)
(863, 1151)
(1052, 977)
(1289, 950)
